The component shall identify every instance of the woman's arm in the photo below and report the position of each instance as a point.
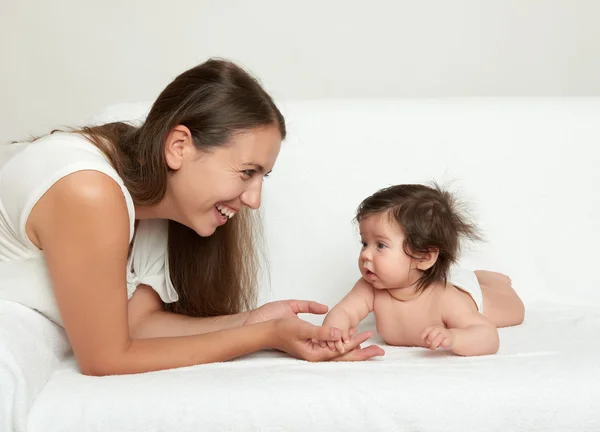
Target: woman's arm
(148, 319)
(82, 226)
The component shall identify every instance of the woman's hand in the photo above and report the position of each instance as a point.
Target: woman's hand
(295, 337)
(358, 353)
(284, 309)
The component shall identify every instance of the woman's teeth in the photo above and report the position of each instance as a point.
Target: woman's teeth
(228, 213)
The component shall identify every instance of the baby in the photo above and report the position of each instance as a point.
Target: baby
(411, 236)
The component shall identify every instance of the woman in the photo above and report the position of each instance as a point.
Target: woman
(140, 241)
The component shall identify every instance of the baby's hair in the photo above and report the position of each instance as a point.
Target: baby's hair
(431, 219)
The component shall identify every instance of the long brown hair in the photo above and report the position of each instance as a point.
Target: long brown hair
(214, 275)
(430, 218)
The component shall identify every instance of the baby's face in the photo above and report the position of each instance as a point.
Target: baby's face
(382, 260)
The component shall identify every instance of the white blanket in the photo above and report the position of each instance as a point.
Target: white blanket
(31, 348)
(546, 377)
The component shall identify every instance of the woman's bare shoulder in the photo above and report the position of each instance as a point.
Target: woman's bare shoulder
(85, 197)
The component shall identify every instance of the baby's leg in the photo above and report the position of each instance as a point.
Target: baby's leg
(501, 304)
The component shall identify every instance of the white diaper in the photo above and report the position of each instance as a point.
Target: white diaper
(467, 281)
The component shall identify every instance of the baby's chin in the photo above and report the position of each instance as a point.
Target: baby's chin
(375, 283)
(378, 284)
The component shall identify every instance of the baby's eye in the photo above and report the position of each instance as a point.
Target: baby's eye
(363, 244)
(381, 245)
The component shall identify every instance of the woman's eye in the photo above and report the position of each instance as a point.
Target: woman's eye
(250, 173)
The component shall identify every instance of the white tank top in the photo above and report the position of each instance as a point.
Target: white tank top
(27, 171)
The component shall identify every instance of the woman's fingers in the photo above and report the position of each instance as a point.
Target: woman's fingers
(331, 351)
(357, 340)
(361, 354)
(337, 345)
(306, 306)
(322, 333)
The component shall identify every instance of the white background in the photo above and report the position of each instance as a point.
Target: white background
(63, 60)
(528, 166)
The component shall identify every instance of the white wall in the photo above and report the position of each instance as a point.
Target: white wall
(526, 168)
(65, 59)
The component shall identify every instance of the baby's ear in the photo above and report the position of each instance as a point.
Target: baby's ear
(427, 260)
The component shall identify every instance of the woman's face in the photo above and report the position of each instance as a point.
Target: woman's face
(206, 189)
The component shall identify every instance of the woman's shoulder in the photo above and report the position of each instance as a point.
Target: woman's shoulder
(54, 149)
(88, 199)
(61, 167)
(87, 187)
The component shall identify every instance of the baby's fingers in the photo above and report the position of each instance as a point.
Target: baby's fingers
(426, 333)
(429, 334)
(446, 344)
(346, 336)
(339, 345)
(435, 343)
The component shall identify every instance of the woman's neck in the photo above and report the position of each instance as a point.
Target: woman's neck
(160, 210)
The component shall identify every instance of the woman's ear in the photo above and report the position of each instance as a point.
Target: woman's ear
(178, 144)
(427, 260)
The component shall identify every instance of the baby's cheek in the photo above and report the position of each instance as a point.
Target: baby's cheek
(389, 270)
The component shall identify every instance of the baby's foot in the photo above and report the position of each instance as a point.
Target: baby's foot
(487, 277)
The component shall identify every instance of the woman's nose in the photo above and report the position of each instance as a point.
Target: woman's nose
(252, 196)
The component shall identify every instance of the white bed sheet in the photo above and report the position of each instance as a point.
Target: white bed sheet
(31, 349)
(546, 376)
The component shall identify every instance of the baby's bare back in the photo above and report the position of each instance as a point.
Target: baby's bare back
(401, 323)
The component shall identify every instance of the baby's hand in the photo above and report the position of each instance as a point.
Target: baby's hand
(338, 345)
(436, 336)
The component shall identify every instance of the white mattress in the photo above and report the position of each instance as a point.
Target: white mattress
(546, 377)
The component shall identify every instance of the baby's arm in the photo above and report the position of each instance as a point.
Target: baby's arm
(470, 333)
(351, 310)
